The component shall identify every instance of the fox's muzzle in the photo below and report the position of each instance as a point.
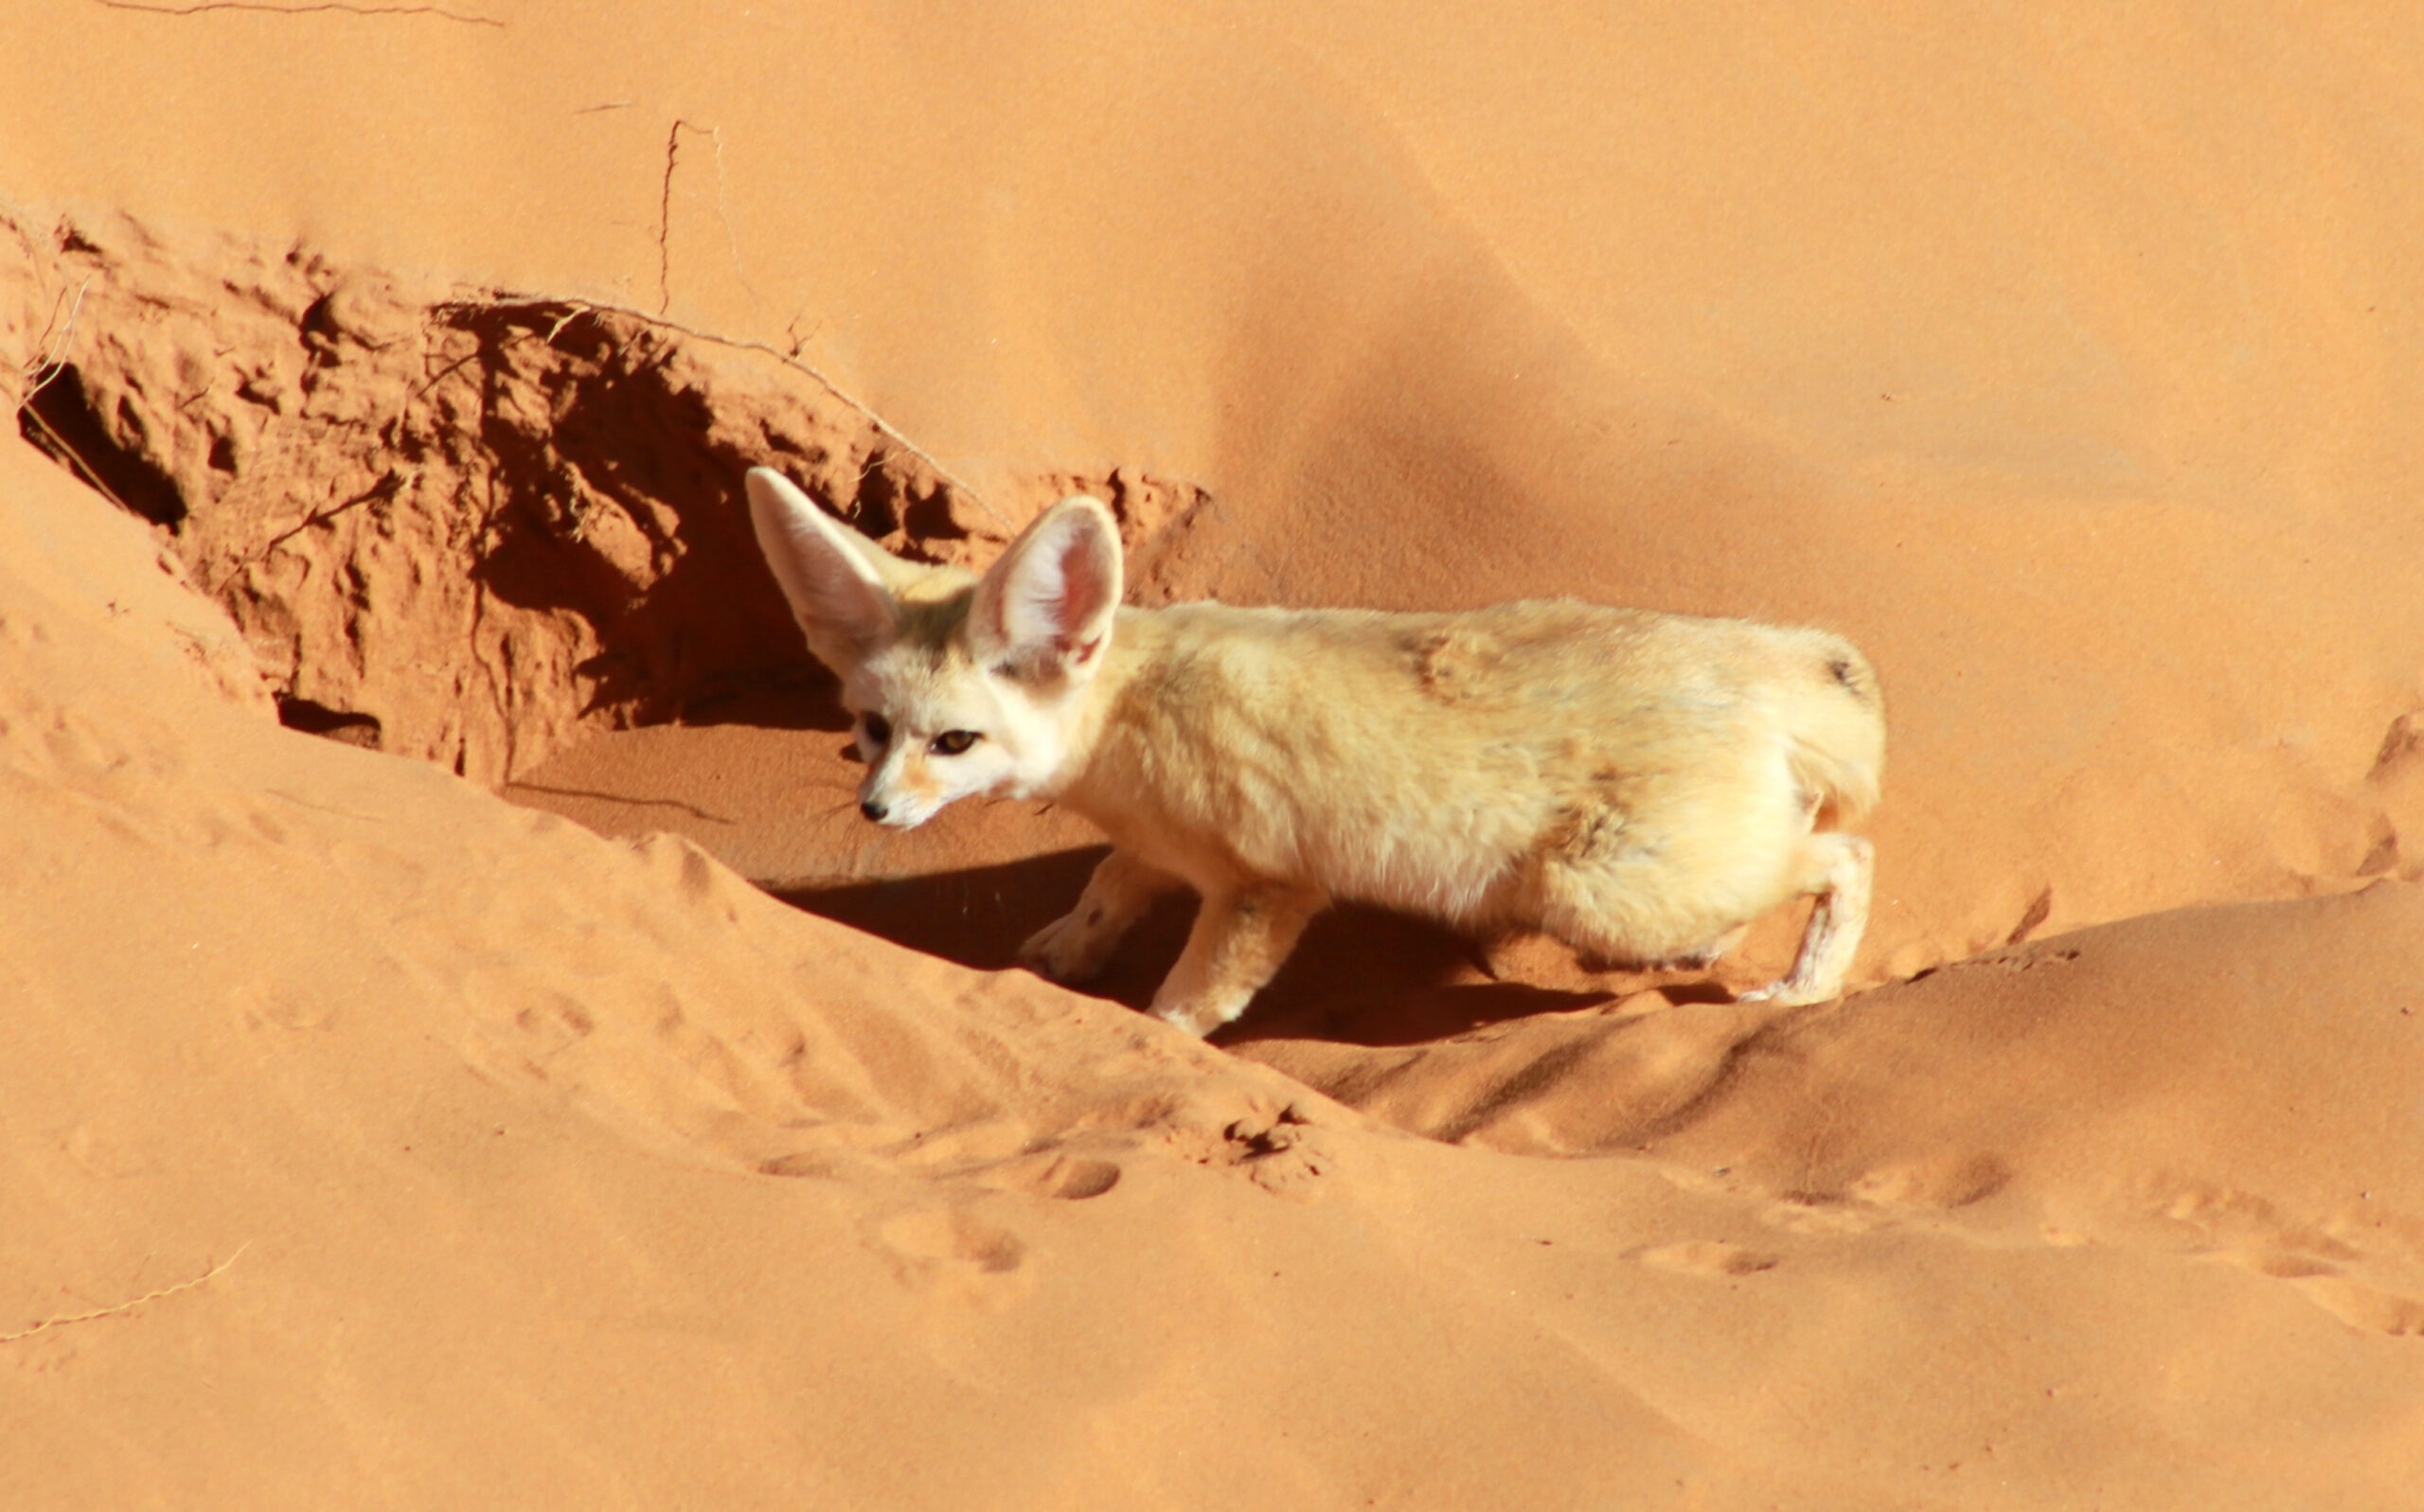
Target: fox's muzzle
(900, 807)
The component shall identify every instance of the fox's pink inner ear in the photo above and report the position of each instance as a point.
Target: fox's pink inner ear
(1047, 604)
(1089, 571)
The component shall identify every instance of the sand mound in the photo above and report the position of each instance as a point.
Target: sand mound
(585, 1170)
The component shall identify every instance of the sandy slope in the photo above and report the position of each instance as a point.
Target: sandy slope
(369, 1140)
(583, 1174)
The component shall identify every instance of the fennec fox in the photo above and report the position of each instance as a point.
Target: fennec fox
(1640, 785)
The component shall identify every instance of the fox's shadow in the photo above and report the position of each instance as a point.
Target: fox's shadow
(1361, 975)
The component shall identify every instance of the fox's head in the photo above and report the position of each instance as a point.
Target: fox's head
(959, 685)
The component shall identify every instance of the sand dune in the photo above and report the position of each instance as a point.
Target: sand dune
(373, 1135)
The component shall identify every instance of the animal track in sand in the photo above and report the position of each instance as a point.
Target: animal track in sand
(2010, 958)
(1274, 1154)
(2233, 1220)
(554, 1025)
(1006, 1155)
(2397, 781)
(1709, 1257)
(1815, 1216)
(2369, 1291)
(263, 1004)
(951, 1253)
(997, 1155)
(1070, 1178)
(692, 873)
(965, 1145)
(2402, 746)
(2356, 1303)
(951, 1235)
(1934, 1183)
(818, 1165)
(2363, 1307)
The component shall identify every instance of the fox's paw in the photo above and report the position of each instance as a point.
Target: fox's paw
(1200, 1013)
(1196, 1019)
(1065, 950)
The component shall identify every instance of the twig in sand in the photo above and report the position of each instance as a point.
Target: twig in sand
(128, 1306)
(50, 367)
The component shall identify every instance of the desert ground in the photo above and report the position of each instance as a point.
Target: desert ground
(464, 1049)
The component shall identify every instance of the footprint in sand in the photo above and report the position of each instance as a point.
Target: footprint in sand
(2351, 1301)
(2244, 1229)
(262, 1004)
(1282, 1153)
(2363, 1307)
(553, 1024)
(2233, 1221)
(1937, 1184)
(1070, 1178)
(951, 1253)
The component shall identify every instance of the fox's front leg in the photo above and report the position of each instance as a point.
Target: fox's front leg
(1076, 946)
(1241, 937)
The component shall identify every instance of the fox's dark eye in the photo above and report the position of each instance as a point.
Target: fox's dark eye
(879, 728)
(952, 743)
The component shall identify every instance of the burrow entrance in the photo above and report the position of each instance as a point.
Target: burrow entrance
(467, 527)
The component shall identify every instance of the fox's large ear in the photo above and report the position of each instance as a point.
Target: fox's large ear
(826, 571)
(1044, 610)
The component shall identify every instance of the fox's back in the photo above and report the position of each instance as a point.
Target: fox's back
(1419, 759)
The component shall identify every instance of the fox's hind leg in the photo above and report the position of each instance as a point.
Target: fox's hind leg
(1240, 938)
(1838, 868)
(1078, 943)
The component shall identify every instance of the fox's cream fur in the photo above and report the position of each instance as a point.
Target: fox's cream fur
(1640, 785)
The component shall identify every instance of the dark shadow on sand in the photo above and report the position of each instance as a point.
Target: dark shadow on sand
(1361, 975)
(802, 698)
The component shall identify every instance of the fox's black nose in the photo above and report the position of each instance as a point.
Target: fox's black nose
(872, 809)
